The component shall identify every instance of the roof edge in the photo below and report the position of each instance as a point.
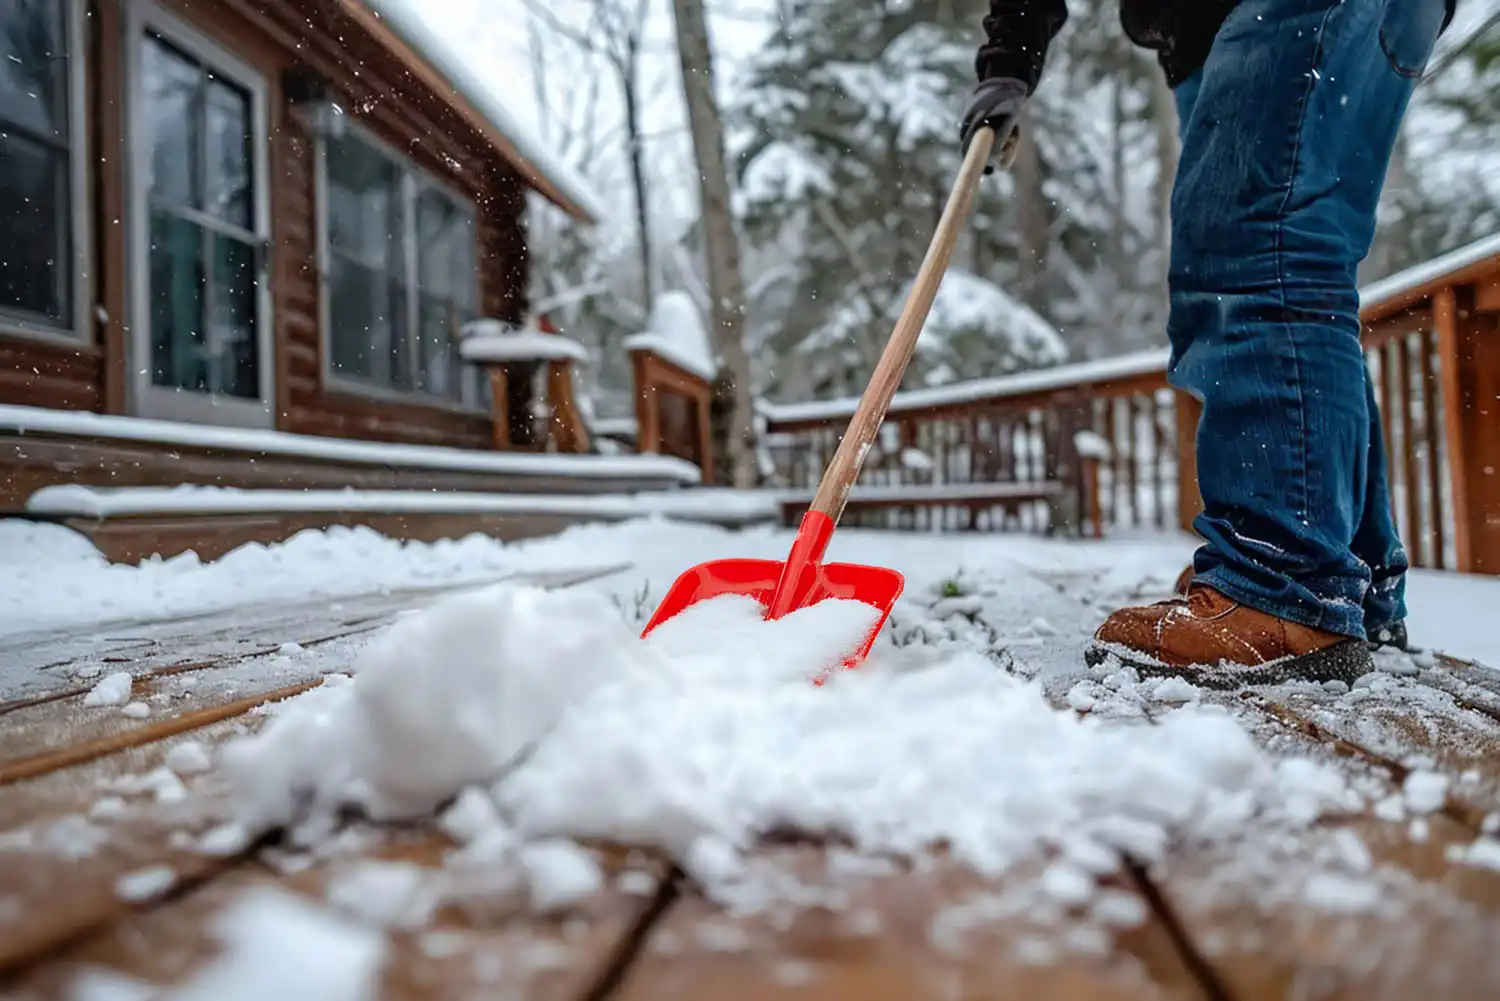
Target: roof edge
(391, 35)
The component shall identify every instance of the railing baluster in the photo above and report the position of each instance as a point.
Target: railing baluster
(1433, 434)
(1413, 486)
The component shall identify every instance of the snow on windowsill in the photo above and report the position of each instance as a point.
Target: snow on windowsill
(39, 420)
(708, 504)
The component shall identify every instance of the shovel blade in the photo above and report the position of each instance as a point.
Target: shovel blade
(757, 579)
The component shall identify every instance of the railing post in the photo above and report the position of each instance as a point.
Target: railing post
(1469, 372)
(647, 406)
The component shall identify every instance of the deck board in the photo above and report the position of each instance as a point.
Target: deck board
(1293, 920)
(1279, 915)
(937, 932)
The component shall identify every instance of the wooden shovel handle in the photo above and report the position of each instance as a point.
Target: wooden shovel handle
(839, 478)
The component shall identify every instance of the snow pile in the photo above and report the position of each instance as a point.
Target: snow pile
(675, 331)
(336, 562)
(548, 718)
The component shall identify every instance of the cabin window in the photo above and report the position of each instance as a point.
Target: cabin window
(400, 265)
(204, 252)
(42, 258)
(199, 218)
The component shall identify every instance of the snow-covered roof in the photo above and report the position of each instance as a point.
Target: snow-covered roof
(1402, 283)
(675, 331)
(400, 25)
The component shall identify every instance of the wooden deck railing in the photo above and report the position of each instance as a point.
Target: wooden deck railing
(1432, 338)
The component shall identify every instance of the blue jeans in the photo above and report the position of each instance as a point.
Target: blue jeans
(1287, 131)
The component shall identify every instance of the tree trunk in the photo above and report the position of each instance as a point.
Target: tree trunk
(1031, 217)
(1168, 149)
(725, 283)
(633, 137)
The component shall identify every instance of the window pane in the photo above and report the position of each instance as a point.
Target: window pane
(178, 355)
(34, 68)
(364, 206)
(173, 87)
(445, 255)
(228, 154)
(236, 362)
(366, 311)
(35, 266)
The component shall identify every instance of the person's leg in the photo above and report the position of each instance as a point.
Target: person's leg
(1288, 131)
(1376, 541)
(1378, 544)
(1283, 161)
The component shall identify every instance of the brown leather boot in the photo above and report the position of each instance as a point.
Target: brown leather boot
(1184, 581)
(1214, 641)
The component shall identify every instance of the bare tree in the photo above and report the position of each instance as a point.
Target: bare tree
(615, 33)
(725, 283)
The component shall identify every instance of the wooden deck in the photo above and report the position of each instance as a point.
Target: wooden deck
(1237, 923)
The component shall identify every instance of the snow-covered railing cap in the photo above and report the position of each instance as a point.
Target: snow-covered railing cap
(675, 333)
(1093, 445)
(489, 340)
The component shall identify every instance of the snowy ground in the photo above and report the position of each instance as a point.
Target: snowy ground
(524, 722)
(57, 580)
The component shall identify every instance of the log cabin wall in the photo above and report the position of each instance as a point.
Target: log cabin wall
(392, 106)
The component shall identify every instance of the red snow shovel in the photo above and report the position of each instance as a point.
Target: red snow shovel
(802, 579)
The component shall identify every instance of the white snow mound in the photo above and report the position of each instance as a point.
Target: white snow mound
(710, 733)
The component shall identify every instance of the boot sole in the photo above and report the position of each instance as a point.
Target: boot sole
(1345, 661)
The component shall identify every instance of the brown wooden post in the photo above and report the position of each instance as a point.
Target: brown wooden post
(569, 433)
(647, 407)
(1478, 462)
(1187, 410)
(1089, 468)
(1404, 365)
(1455, 401)
(499, 407)
(705, 436)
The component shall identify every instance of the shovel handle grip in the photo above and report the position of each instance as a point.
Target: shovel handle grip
(838, 479)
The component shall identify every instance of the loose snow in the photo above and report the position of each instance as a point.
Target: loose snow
(555, 721)
(278, 945)
(112, 690)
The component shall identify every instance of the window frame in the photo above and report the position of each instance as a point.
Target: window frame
(30, 326)
(144, 18)
(413, 177)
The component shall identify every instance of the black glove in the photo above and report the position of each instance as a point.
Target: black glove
(997, 103)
